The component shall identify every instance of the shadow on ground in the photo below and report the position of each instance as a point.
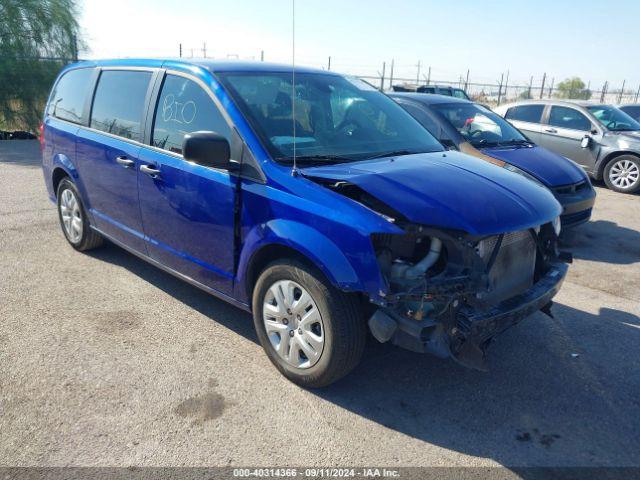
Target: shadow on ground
(619, 245)
(21, 152)
(561, 392)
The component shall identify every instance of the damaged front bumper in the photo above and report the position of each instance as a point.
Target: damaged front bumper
(463, 332)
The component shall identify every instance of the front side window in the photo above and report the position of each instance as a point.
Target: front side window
(184, 107)
(613, 118)
(118, 104)
(69, 95)
(525, 113)
(336, 118)
(479, 125)
(566, 117)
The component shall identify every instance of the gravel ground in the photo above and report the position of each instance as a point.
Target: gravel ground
(106, 360)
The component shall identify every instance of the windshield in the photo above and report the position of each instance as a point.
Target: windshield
(613, 118)
(338, 119)
(479, 125)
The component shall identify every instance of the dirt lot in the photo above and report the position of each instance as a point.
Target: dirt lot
(105, 360)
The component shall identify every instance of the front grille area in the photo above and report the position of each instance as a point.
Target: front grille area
(571, 189)
(513, 269)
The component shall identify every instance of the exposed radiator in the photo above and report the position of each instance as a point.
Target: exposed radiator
(513, 270)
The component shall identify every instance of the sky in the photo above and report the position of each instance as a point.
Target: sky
(592, 39)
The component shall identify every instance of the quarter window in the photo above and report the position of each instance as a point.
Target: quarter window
(525, 113)
(565, 117)
(119, 103)
(184, 107)
(68, 97)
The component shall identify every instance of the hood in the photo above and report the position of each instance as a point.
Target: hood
(449, 190)
(625, 139)
(550, 168)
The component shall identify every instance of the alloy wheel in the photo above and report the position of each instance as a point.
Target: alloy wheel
(624, 174)
(71, 216)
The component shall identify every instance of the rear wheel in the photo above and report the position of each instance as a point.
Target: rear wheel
(73, 218)
(312, 332)
(622, 174)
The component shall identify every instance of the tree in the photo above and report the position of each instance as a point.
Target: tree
(37, 38)
(573, 87)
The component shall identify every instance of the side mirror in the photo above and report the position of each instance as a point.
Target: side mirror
(208, 149)
(585, 142)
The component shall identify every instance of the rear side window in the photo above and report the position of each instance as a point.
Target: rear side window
(118, 104)
(68, 97)
(184, 107)
(565, 117)
(525, 113)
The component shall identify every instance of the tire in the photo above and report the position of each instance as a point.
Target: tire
(622, 174)
(76, 230)
(340, 324)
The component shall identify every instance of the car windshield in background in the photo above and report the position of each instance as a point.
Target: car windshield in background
(479, 125)
(613, 118)
(338, 119)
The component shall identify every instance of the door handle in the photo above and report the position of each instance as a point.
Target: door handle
(152, 172)
(551, 130)
(125, 162)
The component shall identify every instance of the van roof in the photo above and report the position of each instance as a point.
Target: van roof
(213, 66)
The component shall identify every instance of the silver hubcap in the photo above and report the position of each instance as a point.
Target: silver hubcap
(71, 216)
(624, 174)
(293, 324)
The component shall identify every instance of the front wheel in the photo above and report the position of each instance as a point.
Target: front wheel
(73, 218)
(622, 174)
(312, 332)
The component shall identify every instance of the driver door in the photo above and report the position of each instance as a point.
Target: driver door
(563, 133)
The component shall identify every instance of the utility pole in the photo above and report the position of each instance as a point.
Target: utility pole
(604, 91)
(635, 100)
(622, 91)
(192, 53)
(74, 53)
(384, 67)
(544, 79)
(553, 80)
(204, 49)
(262, 55)
(329, 64)
(506, 85)
(530, 86)
(500, 89)
(391, 74)
(466, 82)
(418, 75)
(429, 76)
(180, 50)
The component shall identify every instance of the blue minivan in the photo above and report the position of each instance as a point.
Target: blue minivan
(310, 199)
(474, 129)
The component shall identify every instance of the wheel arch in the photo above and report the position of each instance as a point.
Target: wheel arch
(611, 156)
(288, 239)
(56, 177)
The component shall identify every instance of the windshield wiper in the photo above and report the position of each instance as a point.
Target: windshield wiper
(515, 142)
(316, 158)
(393, 153)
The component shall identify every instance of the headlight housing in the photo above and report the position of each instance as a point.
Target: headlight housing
(557, 225)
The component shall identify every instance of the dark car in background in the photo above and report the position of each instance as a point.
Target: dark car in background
(632, 110)
(445, 90)
(476, 130)
(603, 139)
